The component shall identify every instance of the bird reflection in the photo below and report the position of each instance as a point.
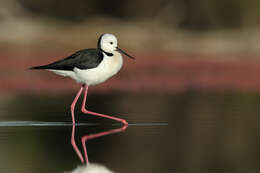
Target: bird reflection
(84, 139)
(91, 168)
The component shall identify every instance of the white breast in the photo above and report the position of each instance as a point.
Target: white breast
(106, 69)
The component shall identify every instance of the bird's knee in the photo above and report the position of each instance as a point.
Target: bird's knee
(83, 109)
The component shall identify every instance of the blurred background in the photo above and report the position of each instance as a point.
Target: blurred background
(197, 68)
(180, 44)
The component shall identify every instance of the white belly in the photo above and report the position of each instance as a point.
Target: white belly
(106, 69)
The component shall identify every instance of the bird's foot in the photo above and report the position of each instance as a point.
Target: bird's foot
(124, 122)
(105, 116)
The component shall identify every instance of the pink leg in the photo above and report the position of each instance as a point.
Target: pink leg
(74, 103)
(73, 143)
(83, 109)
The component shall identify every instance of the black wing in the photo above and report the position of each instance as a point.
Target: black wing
(83, 59)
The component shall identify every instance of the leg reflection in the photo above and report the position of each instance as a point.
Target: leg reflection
(74, 145)
(85, 138)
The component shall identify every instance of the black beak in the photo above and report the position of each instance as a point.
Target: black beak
(121, 51)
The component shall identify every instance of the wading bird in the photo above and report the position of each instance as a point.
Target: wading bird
(90, 67)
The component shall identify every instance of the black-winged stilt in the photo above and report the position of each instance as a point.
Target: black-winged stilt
(90, 67)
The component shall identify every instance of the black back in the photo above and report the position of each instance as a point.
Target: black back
(83, 59)
(99, 41)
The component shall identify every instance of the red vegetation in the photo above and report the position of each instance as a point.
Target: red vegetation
(148, 73)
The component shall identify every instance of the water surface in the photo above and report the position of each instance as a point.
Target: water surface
(186, 132)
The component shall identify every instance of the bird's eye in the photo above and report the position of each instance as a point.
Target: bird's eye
(111, 42)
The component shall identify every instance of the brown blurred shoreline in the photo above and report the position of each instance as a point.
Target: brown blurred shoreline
(159, 72)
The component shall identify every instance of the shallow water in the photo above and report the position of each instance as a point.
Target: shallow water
(187, 132)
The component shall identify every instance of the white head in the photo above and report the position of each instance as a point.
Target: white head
(107, 43)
